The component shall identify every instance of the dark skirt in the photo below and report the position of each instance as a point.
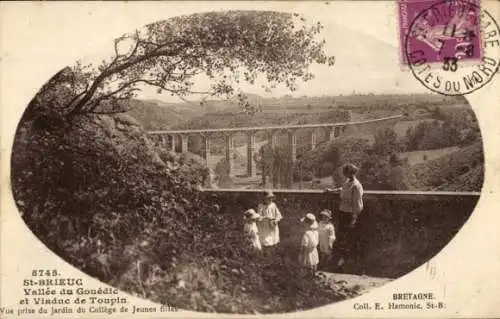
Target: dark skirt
(349, 238)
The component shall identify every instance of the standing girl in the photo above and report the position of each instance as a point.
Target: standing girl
(326, 233)
(250, 229)
(268, 226)
(308, 255)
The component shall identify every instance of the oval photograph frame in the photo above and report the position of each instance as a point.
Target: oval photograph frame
(106, 185)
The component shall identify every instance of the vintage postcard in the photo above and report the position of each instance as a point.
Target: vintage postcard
(250, 159)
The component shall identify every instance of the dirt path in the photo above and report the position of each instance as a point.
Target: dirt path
(348, 282)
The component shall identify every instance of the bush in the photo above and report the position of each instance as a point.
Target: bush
(451, 127)
(327, 169)
(461, 170)
(306, 176)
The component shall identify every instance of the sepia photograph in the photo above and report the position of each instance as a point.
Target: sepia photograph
(258, 161)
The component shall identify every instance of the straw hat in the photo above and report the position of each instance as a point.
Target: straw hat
(250, 214)
(327, 214)
(268, 194)
(311, 219)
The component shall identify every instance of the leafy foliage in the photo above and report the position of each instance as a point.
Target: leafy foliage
(386, 142)
(336, 153)
(380, 166)
(450, 128)
(276, 164)
(222, 176)
(462, 170)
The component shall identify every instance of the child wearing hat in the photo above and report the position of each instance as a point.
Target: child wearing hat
(268, 226)
(326, 233)
(250, 217)
(308, 255)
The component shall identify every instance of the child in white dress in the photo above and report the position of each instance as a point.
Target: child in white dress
(308, 255)
(269, 224)
(326, 233)
(250, 217)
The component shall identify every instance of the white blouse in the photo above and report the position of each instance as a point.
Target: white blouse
(351, 197)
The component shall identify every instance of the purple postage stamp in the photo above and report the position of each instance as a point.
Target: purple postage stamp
(450, 46)
(442, 29)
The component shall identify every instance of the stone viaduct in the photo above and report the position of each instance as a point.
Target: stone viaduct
(169, 138)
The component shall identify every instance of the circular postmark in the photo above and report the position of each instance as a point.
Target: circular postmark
(452, 47)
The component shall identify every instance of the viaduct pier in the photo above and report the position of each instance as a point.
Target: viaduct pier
(170, 138)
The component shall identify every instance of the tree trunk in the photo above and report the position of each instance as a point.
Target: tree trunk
(264, 179)
(300, 177)
(275, 176)
(289, 176)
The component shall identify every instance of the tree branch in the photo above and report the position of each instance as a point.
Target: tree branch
(134, 50)
(117, 55)
(110, 71)
(106, 96)
(169, 89)
(109, 112)
(79, 95)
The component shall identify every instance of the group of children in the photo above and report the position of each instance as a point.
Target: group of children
(316, 235)
(262, 233)
(261, 227)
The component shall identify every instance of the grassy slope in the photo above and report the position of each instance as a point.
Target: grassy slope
(157, 115)
(470, 181)
(401, 127)
(417, 157)
(460, 170)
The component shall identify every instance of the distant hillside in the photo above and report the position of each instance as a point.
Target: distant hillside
(229, 119)
(158, 115)
(462, 170)
(301, 110)
(155, 116)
